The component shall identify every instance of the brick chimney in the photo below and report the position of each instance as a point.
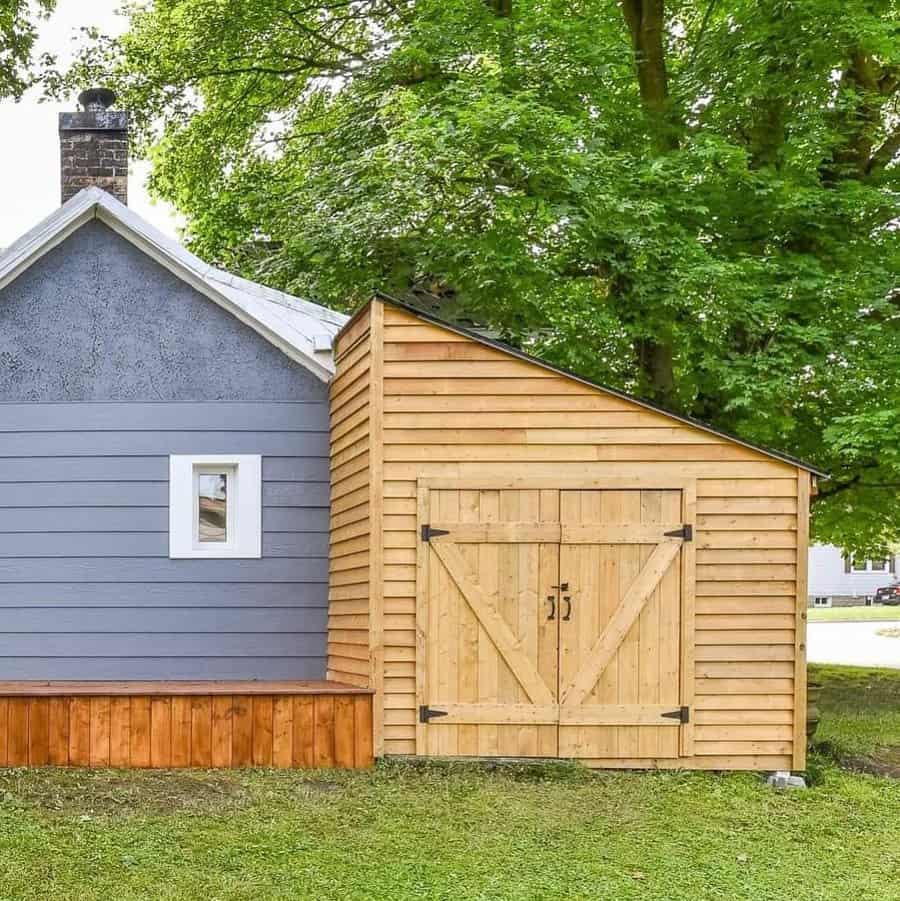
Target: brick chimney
(93, 146)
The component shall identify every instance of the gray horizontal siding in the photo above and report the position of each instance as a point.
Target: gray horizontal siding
(117, 569)
(161, 620)
(143, 519)
(168, 644)
(143, 494)
(174, 668)
(106, 468)
(309, 543)
(87, 590)
(136, 596)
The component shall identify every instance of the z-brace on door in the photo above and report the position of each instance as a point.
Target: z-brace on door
(550, 623)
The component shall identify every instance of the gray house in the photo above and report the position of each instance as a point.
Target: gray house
(118, 350)
(163, 460)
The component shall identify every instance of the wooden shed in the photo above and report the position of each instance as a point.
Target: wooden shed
(526, 564)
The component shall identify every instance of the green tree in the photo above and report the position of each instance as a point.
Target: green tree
(17, 37)
(694, 201)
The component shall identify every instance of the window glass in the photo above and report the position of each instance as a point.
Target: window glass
(879, 566)
(212, 509)
(859, 566)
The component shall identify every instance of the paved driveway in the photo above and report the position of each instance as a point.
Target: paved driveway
(854, 644)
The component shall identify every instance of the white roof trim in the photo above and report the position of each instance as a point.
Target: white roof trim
(304, 331)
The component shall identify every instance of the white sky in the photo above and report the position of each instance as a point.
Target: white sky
(29, 143)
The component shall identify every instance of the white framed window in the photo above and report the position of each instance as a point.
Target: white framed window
(821, 602)
(215, 506)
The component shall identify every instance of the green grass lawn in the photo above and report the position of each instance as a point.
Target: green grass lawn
(465, 832)
(860, 713)
(853, 614)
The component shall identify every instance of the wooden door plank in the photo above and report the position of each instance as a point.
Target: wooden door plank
(649, 635)
(506, 532)
(548, 631)
(625, 617)
(485, 565)
(507, 606)
(501, 713)
(640, 714)
(620, 533)
(468, 628)
(495, 626)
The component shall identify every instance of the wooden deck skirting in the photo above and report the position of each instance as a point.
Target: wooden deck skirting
(185, 724)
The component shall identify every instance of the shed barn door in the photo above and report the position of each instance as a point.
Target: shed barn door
(620, 644)
(491, 637)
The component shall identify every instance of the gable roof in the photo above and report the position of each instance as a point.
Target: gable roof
(304, 331)
(528, 358)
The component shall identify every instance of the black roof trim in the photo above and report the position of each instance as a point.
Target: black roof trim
(528, 358)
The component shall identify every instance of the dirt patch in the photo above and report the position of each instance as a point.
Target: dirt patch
(92, 793)
(892, 632)
(886, 765)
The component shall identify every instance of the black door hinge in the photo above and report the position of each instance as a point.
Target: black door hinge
(682, 714)
(428, 533)
(427, 713)
(686, 532)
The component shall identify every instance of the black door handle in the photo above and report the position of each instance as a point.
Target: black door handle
(552, 600)
(568, 599)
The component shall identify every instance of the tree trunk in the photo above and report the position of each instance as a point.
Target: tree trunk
(646, 22)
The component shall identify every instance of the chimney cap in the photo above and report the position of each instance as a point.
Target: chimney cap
(97, 99)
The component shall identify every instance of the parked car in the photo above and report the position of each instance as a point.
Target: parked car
(888, 594)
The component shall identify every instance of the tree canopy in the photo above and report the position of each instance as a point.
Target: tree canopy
(693, 201)
(17, 36)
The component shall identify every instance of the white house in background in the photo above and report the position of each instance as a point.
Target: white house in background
(840, 580)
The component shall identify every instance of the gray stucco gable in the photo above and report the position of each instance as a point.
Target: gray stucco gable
(97, 319)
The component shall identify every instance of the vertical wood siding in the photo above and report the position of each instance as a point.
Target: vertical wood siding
(307, 730)
(454, 408)
(350, 551)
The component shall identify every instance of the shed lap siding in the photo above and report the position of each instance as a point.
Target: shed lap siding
(87, 590)
(349, 572)
(454, 408)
